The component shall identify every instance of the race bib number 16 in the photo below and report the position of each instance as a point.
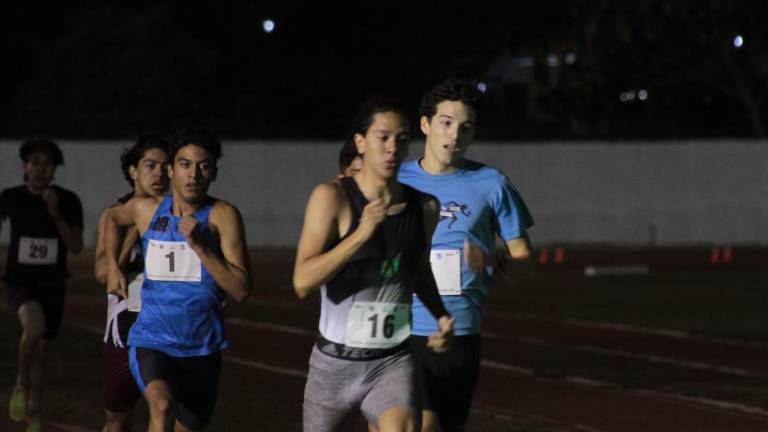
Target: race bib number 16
(172, 261)
(377, 325)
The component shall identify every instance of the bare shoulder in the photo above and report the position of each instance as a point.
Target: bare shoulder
(328, 196)
(144, 204)
(224, 211)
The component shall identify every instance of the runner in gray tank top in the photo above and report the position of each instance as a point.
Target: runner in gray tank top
(365, 246)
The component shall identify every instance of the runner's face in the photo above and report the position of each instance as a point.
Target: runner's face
(385, 144)
(449, 133)
(149, 175)
(192, 172)
(39, 169)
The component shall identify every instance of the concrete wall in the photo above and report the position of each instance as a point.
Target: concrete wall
(674, 193)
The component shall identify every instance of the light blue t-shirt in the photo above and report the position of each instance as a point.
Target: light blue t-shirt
(478, 203)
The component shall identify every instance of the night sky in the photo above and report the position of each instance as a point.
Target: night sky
(551, 70)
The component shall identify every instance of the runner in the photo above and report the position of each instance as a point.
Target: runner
(143, 166)
(46, 224)
(365, 245)
(477, 204)
(194, 253)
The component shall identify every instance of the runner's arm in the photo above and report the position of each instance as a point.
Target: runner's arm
(231, 270)
(314, 264)
(425, 285)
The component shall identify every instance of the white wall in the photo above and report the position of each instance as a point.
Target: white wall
(587, 193)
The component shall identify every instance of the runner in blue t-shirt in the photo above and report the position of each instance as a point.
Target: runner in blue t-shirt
(477, 204)
(194, 253)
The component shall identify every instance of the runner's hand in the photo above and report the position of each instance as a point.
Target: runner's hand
(52, 202)
(373, 214)
(442, 340)
(475, 257)
(188, 227)
(116, 283)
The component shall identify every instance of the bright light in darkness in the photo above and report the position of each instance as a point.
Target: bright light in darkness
(570, 58)
(738, 41)
(642, 94)
(482, 87)
(268, 25)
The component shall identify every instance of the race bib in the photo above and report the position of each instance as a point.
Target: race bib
(446, 267)
(377, 325)
(134, 293)
(38, 251)
(172, 261)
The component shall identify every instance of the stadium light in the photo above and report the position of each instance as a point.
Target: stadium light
(268, 25)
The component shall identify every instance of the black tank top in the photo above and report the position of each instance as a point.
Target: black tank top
(392, 252)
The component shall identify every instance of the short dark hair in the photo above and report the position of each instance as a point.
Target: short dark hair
(131, 156)
(449, 90)
(372, 106)
(31, 146)
(347, 154)
(200, 137)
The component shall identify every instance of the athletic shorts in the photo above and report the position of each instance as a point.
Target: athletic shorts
(337, 388)
(193, 381)
(448, 379)
(50, 296)
(118, 388)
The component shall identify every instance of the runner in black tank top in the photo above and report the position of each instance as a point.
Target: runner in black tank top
(365, 247)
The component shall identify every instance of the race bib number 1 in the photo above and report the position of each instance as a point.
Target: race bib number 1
(38, 251)
(172, 261)
(377, 325)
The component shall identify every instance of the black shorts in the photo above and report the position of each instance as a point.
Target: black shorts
(448, 379)
(50, 296)
(118, 388)
(193, 381)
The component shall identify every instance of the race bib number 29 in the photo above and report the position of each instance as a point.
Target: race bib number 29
(38, 251)
(377, 325)
(172, 261)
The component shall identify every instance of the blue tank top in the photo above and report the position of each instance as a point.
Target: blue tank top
(180, 318)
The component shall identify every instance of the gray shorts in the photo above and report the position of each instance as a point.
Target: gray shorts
(337, 388)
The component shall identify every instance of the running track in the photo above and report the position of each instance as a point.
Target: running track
(507, 390)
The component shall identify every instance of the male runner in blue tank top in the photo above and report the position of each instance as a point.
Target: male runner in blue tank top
(194, 253)
(365, 245)
(477, 203)
(46, 223)
(144, 167)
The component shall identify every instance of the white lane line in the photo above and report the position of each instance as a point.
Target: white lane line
(266, 367)
(676, 334)
(506, 367)
(628, 328)
(646, 357)
(563, 427)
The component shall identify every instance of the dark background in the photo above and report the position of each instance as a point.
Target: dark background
(552, 70)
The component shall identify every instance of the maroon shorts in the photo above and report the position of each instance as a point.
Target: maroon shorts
(119, 390)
